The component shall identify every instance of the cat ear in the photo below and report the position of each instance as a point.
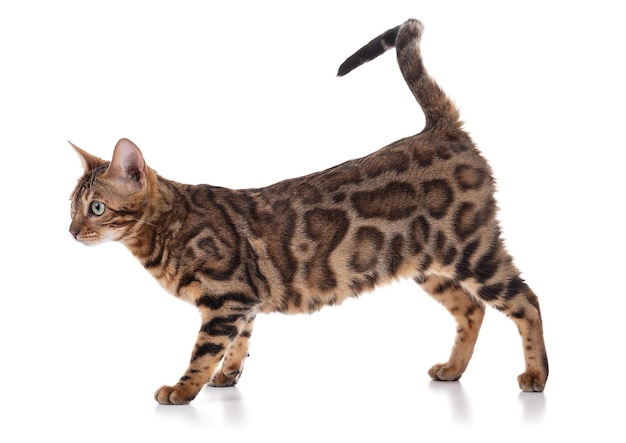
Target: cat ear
(128, 168)
(88, 161)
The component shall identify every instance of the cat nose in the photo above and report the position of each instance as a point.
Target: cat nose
(74, 230)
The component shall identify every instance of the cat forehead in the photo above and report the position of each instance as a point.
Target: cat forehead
(88, 182)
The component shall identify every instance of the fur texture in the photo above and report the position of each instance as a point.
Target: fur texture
(422, 208)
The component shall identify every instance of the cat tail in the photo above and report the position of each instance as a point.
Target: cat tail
(438, 108)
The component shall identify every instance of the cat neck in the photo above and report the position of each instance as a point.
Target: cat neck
(160, 206)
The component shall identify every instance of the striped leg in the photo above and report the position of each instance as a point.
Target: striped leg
(232, 365)
(217, 335)
(469, 317)
(508, 293)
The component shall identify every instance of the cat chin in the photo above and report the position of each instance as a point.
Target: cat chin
(88, 242)
(95, 241)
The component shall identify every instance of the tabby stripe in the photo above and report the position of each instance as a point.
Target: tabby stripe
(222, 326)
(449, 256)
(153, 247)
(488, 263)
(443, 287)
(207, 348)
(156, 261)
(463, 266)
(179, 195)
(218, 301)
(186, 280)
(492, 292)
(125, 212)
(514, 287)
(519, 313)
(254, 276)
(395, 254)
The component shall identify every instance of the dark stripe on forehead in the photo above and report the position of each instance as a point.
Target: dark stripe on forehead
(86, 181)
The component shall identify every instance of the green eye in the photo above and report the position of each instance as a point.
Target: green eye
(98, 207)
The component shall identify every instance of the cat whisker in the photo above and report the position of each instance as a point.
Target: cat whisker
(144, 222)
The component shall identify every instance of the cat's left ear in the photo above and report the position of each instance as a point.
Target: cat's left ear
(88, 161)
(128, 168)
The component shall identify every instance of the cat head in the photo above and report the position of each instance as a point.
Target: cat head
(110, 197)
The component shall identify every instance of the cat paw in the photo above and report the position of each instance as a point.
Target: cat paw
(531, 381)
(222, 380)
(175, 395)
(445, 372)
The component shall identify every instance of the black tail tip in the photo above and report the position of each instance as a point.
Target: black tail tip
(344, 69)
(370, 51)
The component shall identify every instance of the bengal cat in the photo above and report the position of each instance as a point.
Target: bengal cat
(422, 207)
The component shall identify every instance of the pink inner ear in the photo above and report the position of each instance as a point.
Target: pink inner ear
(127, 166)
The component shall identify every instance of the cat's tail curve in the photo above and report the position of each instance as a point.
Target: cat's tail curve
(437, 106)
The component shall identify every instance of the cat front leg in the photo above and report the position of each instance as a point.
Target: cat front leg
(219, 331)
(232, 364)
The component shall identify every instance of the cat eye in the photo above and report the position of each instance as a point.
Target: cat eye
(98, 207)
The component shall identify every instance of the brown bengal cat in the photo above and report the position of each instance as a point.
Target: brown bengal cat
(422, 207)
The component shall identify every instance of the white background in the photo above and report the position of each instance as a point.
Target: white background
(243, 94)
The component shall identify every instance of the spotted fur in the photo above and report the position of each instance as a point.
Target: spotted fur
(421, 208)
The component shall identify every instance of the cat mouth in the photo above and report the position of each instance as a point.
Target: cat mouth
(89, 241)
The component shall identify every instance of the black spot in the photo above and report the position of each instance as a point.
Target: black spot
(463, 266)
(395, 201)
(339, 197)
(207, 349)
(222, 326)
(514, 287)
(443, 152)
(449, 255)
(488, 263)
(395, 254)
(491, 292)
(467, 220)
(438, 197)
(420, 234)
(440, 241)
(395, 161)
(327, 227)
(423, 156)
(469, 177)
(368, 242)
(215, 302)
(425, 262)
(519, 313)
(470, 310)
(308, 193)
(421, 279)
(443, 287)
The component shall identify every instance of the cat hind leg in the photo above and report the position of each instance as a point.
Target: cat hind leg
(509, 294)
(468, 314)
